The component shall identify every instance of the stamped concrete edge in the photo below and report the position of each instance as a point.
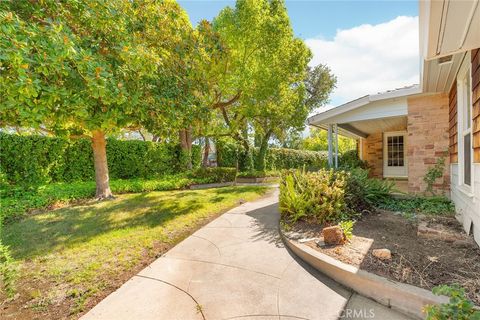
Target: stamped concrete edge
(407, 299)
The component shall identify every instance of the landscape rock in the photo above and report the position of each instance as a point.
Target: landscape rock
(333, 235)
(382, 254)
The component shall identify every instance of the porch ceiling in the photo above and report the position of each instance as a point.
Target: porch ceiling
(381, 125)
(367, 115)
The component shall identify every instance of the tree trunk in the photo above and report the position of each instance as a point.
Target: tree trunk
(185, 136)
(206, 152)
(262, 152)
(101, 167)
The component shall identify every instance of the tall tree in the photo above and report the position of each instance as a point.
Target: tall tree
(87, 68)
(265, 63)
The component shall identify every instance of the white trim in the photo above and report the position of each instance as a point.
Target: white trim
(360, 148)
(385, 155)
(464, 73)
(354, 104)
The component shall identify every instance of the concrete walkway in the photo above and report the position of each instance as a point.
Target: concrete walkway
(236, 267)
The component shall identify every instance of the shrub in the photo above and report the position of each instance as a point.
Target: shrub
(363, 193)
(458, 307)
(32, 160)
(350, 160)
(258, 174)
(213, 175)
(433, 174)
(329, 196)
(316, 197)
(276, 158)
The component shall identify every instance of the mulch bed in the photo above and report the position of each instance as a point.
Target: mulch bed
(416, 260)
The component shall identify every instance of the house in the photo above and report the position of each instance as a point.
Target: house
(402, 133)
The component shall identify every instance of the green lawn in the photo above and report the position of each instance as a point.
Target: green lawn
(70, 257)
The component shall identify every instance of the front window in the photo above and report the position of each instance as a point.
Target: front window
(395, 151)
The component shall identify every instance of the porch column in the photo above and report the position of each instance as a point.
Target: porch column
(336, 145)
(330, 147)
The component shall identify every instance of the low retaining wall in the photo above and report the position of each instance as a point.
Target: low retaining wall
(405, 298)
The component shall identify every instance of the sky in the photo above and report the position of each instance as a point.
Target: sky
(371, 46)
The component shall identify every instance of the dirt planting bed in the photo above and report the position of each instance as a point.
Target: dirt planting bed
(425, 252)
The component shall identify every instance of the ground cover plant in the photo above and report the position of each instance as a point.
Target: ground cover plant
(70, 258)
(411, 207)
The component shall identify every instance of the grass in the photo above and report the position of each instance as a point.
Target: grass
(17, 201)
(70, 256)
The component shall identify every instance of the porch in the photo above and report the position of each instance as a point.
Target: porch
(399, 133)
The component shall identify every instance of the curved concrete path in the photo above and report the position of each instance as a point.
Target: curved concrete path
(236, 267)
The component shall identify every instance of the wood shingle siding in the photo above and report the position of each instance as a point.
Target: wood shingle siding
(476, 104)
(453, 124)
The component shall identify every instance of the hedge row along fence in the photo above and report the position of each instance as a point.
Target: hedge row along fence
(276, 159)
(36, 159)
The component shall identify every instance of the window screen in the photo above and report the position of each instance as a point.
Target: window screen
(395, 150)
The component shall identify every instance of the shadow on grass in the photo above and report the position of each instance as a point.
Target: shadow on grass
(44, 233)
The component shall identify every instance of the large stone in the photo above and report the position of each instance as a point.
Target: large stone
(333, 235)
(382, 254)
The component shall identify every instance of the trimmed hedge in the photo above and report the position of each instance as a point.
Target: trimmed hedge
(277, 158)
(35, 159)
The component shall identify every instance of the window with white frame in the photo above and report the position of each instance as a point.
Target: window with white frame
(464, 102)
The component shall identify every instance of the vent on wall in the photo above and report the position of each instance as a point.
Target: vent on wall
(445, 60)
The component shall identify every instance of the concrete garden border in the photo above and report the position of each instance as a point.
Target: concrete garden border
(402, 297)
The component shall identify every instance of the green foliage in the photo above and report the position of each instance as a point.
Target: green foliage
(317, 197)
(8, 271)
(364, 192)
(420, 205)
(433, 174)
(347, 228)
(258, 174)
(329, 196)
(32, 160)
(350, 160)
(279, 158)
(213, 175)
(458, 307)
(317, 141)
(276, 158)
(81, 247)
(78, 66)
(16, 201)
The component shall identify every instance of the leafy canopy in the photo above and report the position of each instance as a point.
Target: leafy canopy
(77, 66)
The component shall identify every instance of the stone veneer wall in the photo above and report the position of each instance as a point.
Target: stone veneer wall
(373, 153)
(428, 139)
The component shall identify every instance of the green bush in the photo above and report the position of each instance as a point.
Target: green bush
(316, 197)
(31, 160)
(258, 174)
(364, 193)
(213, 175)
(350, 160)
(276, 158)
(329, 196)
(458, 307)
